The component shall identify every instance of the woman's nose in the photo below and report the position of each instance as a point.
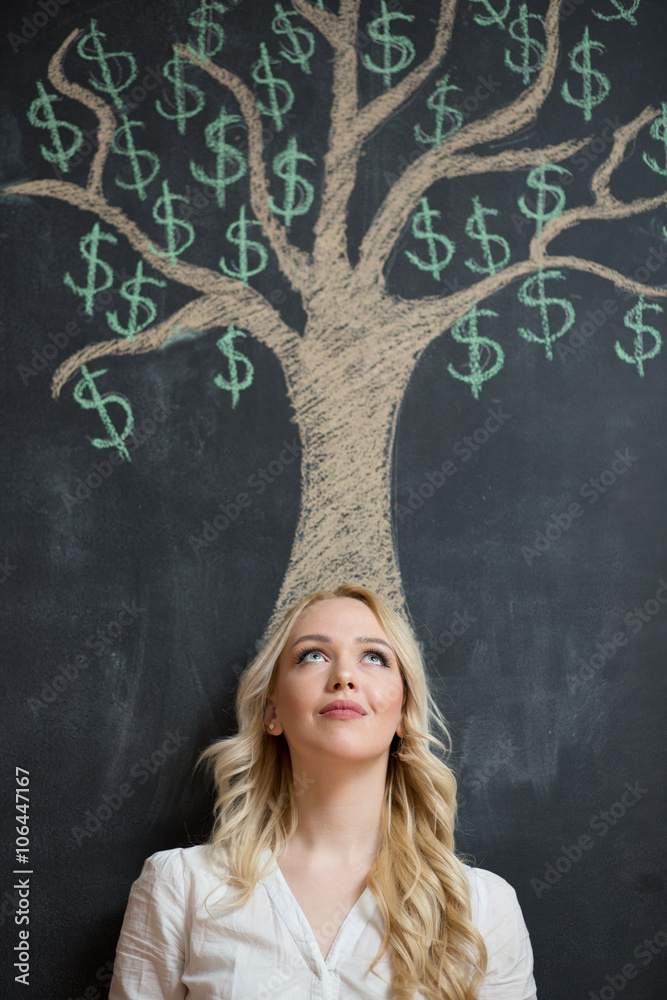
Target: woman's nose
(342, 674)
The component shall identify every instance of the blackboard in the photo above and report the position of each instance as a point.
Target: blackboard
(431, 361)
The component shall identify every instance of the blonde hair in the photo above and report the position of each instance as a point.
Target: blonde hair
(417, 879)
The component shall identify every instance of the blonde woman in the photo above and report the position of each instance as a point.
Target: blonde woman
(331, 870)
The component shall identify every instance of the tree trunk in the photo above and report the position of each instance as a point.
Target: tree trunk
(346, 402)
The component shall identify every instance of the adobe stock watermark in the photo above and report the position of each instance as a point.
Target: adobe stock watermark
(275, 986)
(301, 782)
(634, 620)
(458, 626)
(567, 347)
(99, 642)
(561, 522)
(568, 8)
(7, 568)
(486, 86)
(463, 449)
(60, 339)
(31, 23)
(102, 470)
(150, 81)
(598, 145)
(8, 906)
(476, 780)
(571, 344)
(600, 824)
(644, 953)
(103, 976)
(258, 482)
(140, 772)
(582, 160)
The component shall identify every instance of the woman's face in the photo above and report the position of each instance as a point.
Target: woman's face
(337, 652)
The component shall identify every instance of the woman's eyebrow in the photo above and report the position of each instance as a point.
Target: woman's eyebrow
(318, 637)
(311, 638)
(382, 642)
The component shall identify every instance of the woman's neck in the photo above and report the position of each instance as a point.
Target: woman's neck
(340, 812)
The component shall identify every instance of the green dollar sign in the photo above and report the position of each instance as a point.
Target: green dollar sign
(520, 32)
(658, 132)
(538, 181)
(437, 102)
(380, 31)
(263, 74)
(624, 13)
(422, 229)
(494, 17)
(135, 156)
(580, 61)
(285, 166)
(163, 212)
(98, 402)
(479, 373)
(105, 61)
(230, 164)
(40, 114)
(237, 233)
(476, 230)
(539, 300)
(88, 247)
(634, 320)
(300, 52)
(173, 70)
(210, 34)
(131, 291)
(226, 345)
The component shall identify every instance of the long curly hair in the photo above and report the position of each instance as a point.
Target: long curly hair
(419, 882)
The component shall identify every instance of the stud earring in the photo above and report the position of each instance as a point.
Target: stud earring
(272, 725)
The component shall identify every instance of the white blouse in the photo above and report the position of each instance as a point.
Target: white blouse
(178, 943)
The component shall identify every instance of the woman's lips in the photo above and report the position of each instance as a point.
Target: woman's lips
(342, 713)
(343, 709)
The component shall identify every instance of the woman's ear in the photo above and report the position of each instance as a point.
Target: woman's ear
(400, 729)
(271, 723)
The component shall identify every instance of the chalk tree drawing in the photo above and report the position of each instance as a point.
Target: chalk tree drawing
(348, 371)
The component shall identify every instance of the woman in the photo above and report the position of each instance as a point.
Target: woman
(331, 870)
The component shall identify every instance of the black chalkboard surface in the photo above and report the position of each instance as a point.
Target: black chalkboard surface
(274, 317)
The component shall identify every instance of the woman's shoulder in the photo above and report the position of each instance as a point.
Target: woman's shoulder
(491, 896)
(496, 914)
(486, 882)
(198, 862)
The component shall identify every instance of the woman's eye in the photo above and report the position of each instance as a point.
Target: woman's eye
(376, 658)
(310, 656)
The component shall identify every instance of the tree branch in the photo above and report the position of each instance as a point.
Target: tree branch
(294, 263)
(224, 299)
(430, 317)
(382, 107)
(608, 273)
(200, 278)
(445, 161)
(325, 22)
(350, 127)
(521, 112)
(393, 215)
(623, 135)
(106, 120)
(600, 211)
(605, 205)
(343, 149)
(245, 307)
(142, 343)
(437, 313)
